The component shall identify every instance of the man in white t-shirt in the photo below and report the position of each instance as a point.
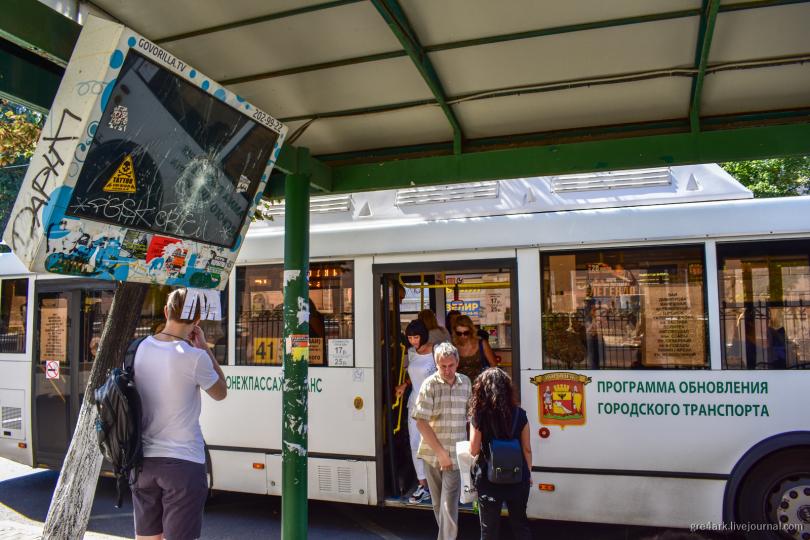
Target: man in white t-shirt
(170, 369)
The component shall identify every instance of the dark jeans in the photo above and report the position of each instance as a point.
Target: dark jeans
(489, 510)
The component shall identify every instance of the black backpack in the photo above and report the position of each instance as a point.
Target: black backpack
(506, 458)
(118, 426)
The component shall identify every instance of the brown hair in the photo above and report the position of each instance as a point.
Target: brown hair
(464, 320)
(174, 307)
(429, 319)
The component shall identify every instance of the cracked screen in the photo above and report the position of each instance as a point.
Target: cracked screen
(169, 158)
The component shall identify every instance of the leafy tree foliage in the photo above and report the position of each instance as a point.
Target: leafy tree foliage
(19, 131)
(773, 177)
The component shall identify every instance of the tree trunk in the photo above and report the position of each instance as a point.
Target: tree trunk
(73, 497)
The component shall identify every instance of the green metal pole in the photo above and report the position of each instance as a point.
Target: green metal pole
(296, 359)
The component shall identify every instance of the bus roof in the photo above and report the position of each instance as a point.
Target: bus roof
(670, 223)
(692, 183)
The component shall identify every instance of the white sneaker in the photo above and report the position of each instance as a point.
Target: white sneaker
(421, 495)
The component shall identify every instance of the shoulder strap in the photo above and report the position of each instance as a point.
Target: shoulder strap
(515, 417)
(209, 466)
(129, 356)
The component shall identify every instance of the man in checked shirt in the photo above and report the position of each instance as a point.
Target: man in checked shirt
(441, 417)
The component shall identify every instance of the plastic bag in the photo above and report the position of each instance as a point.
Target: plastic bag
(467, 493)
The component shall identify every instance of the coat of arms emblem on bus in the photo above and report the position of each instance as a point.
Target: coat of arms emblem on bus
(561, 398)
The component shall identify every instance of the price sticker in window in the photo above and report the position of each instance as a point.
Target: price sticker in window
(341, 352)
(266, 350)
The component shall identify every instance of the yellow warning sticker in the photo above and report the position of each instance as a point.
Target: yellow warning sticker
(123, 179)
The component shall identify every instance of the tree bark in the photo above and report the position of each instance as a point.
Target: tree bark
(72, 499)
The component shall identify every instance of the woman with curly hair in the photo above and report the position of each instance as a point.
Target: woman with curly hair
(495, 415)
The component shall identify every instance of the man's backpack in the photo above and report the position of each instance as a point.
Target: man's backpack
(118, 425)
(506, 458)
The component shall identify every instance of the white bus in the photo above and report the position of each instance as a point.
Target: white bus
(653, 322)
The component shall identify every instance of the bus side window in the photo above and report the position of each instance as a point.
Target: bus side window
(764, 296)
(260, 314)
(13, 315)
(633, 308)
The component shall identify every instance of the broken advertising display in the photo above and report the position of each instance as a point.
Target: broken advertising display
(151, 178)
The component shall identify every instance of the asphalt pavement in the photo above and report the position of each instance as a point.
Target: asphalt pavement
(25, 495)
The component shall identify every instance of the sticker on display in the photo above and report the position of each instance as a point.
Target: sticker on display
(341, 352)
(52, 369)
(208, 300)
(299, 340)
(119, 120)
(298, 345)
(123, 179)
(243, 185)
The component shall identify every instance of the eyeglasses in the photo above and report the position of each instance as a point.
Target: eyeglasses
(463, 333)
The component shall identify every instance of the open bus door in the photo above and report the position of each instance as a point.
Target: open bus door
(486, 291)
(68, 322)
(398, 473)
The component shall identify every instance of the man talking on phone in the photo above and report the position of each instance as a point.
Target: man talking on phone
(170, 369)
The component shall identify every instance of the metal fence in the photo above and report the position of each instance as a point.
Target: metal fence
(602, 338)
(765, 335)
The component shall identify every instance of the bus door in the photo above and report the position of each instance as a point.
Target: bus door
(485, 291)
(68, 322)
(395, 413)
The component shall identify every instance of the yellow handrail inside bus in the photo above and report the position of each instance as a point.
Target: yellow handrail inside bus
(464, 286)
(398, 402)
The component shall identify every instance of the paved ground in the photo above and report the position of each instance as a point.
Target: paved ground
(25, 495)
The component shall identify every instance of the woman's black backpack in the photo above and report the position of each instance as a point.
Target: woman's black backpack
(506, 458)
(118, 425)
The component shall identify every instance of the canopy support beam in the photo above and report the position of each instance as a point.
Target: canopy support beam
(576, 157)
(255, 20)
(708, 19)
(398, 22)
(299, 161)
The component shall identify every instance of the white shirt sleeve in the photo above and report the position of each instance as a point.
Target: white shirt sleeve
(204, 374)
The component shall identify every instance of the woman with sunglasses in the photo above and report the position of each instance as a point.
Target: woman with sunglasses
(475, 354)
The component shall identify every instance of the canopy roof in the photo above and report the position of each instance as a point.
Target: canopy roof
(387, 94)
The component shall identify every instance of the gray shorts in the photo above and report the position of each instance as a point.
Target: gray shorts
(168, 498)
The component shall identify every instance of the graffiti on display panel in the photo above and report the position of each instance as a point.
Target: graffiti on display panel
(156, 186)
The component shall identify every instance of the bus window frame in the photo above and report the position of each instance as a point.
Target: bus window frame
(28, 333)
(236, 313)
(701, 246)
(732, 248)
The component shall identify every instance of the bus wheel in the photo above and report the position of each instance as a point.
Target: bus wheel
(777, 491)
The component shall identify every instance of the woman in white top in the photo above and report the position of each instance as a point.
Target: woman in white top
(421, 365)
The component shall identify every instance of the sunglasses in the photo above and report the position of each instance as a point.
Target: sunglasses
(463, 333)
